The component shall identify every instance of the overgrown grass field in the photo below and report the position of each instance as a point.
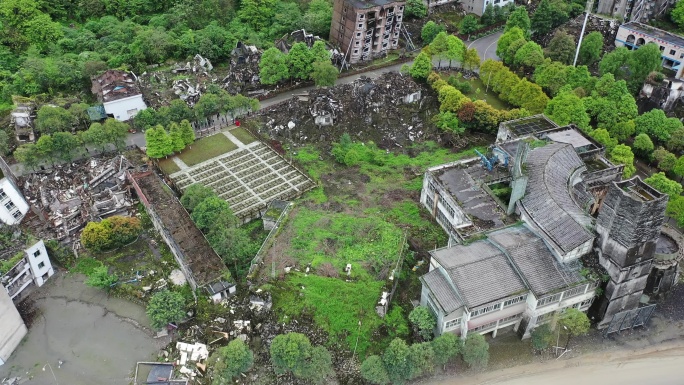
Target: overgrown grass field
(207, 148)
(242, 135)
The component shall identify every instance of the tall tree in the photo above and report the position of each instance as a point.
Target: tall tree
(447, 346)
(529, 55)
(421, 67)
(551, 76)
(430, 31)
(299, 61)
(46, 147)
(455, 49)
(396, 359)
(677, 14)
(373, 370)
(643, 145)
(566, 108)
(51, 119)
(209, 212)
(28, 155)
(318, 17)
(324, 74)
(115, 132)
(289, 353)
(231, 360)
(65, 144)
(656, 124)
(194, 195)
(615, 62)
(415, 9)
(471, 59)
(178, 110)
(96, 136)
(575, 322)
(561, 48)
(512, 34)
(468, 25)
(4, 142)
(158, 142)
(439, 46)
(319, 52)
(257, 14)
(542, 20)
(273, 66)
(641, 63)
(602, 136)
(421, 359)
(622, 154)
(187, 132)
(176, 137)
(423, 321)
(592, 46)
(165, 307)
(664, 184)
(520, 19)
(476, 351)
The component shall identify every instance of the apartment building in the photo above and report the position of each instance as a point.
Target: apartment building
(12, 327)
(633, 35)
(366, 29)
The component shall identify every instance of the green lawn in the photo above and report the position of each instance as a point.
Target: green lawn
(490, 97)
(207, 148)
(168, 166)
(242, 135)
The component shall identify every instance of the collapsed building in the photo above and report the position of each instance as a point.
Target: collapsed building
(390, 110)
(579, 221)
(119, 93)
(21, 119)
(74, 194)
(32, 268)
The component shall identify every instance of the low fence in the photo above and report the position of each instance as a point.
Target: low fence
(259, 256)
(629, 319)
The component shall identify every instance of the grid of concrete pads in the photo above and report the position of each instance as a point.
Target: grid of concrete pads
(248, 178)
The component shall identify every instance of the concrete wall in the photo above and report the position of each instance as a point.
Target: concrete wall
(430, 198)
(478, 6)
(38, 259)
(14, 198)
(126, 108)
(12, 328)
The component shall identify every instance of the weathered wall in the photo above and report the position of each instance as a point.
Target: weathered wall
(12, 328)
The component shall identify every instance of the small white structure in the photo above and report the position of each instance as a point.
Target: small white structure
(33, 268)
(13, 206)
(119, 93)
(12, 327)
(193, 352)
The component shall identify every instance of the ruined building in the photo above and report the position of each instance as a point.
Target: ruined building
(13, 206)
(634, 10)
(34, 268)
(366, 29)
(22, 118)
(634, 34)
(120, 94)
(497, 274)
(628, 226)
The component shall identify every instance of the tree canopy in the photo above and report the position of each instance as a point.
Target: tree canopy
(165, 307)
(230, 360)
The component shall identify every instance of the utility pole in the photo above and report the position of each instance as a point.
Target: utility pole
(590, 4)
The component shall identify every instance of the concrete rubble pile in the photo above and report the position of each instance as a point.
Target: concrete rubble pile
(393, 106)
(79, 192)
(244, 71)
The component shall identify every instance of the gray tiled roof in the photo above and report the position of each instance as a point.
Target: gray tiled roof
(548, 200)
(440, 287)
(481, 273)
(538, 266)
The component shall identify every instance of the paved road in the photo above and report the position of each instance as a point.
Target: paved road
(486, 46)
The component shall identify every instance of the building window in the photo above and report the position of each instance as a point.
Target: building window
(452, 324)
(586, 302)
(3, 196)
(361, 16)
(550, 299)
(662, 48)
(431, 187)
(515, 300)
(9, 205)
(673, 52)
(356, 43)
(36, 253)
(16, 214)
(483, 327)
(485, 310)
(358, 34)
(356, 51)
(429, 202)
(360, 25)
(545, 317)
(41, 265)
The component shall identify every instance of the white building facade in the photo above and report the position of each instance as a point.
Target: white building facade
(12, 327)
(13, 206)
(633, 35)
(126, 108)
(34, 268)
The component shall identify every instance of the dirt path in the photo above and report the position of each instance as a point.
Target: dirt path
(657, 365)
(99, 339)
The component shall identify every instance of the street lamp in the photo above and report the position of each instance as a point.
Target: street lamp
(51, 371)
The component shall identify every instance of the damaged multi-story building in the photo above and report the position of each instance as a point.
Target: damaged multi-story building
(497, 274)
(634, 34)
(119, 93)
(13, 206)
(634, 10)
(366, 29)
(77, 193)
(32, 268)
